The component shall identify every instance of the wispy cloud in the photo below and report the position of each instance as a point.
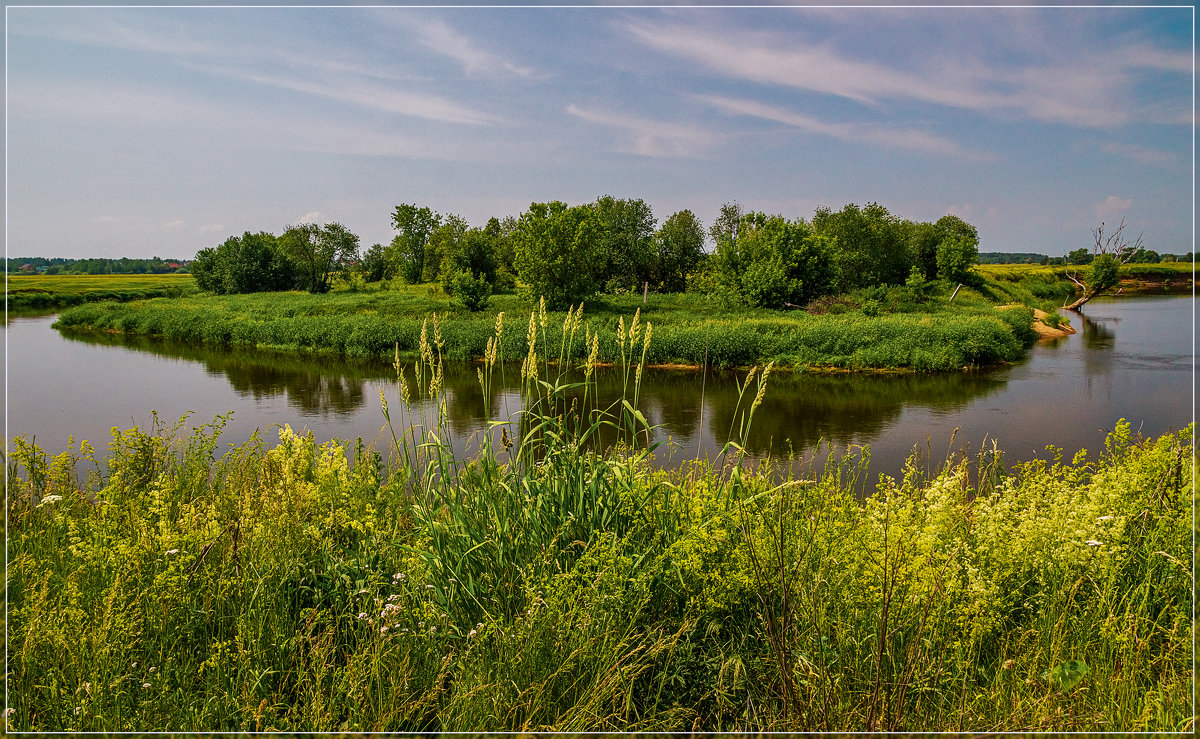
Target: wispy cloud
(439, 37)
(1088, 89)
(651, 138)
(212, 228)
(875, 134)
(174, 225)
(310, 217)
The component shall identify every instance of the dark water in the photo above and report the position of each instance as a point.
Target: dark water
(1132, 358)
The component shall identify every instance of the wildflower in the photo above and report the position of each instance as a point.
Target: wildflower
(453, 580)
(429, 587)
(383, 401)
(383, 629)
(362, 617)
(152, 669)
(145, 685)
(393, 598)
(171, 551)
(9, 711)
(398, 576)
(432, 629)
(471, 634)
(1093, 543)
(1008, 664)
(1104, 518)
(364, 591)
(479, 626)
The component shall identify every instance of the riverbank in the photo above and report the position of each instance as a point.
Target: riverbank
(293, 586)
(905, 332)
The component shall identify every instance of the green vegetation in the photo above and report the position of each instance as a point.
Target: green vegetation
(37, 292)
(53, 266)
(908, 330)
(552, 585)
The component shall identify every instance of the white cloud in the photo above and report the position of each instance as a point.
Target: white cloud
(174, 225)
(310, 217)
(212, 228)
(886, 136)
(441, 38)
(652, 138)
(1112, 206)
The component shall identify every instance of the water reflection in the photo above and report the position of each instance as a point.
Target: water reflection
(697, 409)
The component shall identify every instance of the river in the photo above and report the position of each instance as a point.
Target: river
(1132, 358)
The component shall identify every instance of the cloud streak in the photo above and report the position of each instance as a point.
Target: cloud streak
(873, 134)
(651, 138)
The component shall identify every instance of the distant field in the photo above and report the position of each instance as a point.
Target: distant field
(1143, 272)
(38, 292)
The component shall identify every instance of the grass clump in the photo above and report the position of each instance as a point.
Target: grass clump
(555, 582)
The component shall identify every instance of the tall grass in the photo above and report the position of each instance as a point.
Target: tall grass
(553, 584)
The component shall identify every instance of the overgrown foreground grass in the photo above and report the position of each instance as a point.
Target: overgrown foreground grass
(41, 292)
(548, 585)
(929, 335)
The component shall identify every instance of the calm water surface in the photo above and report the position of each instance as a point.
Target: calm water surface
(1132, 358)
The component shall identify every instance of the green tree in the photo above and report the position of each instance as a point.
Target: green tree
(407, 250)
(955, 256)
(444, 240)
(774, 262)
(725, 227)
(318, 251)
(556, 247)
(869, 245)
(625, 254)
(678, 247)
(245, 264)
(469, 268)
(375, 265)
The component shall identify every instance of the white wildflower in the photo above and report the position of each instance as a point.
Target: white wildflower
(1093, 543)
(383, 629)
(171, 551)
(145, 685)
(473, 632)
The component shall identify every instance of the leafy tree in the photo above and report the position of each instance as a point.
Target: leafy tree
(469, 268)
(375, 265)
(774, 262)
(678, 249)
(625, 254)
(955, 256)
(318, 251)
(442, 241)
(245, 264)
(556, 247)
(407, 250)
(869, 245)
(923, 240)
(725, 227)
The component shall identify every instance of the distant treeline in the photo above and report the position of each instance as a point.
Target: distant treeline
(1079, 256)
(123, 266)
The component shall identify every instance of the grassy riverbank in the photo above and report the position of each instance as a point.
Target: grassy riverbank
(293, 586)
(901, 331)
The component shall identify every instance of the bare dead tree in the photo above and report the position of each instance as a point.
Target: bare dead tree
(1108, 254)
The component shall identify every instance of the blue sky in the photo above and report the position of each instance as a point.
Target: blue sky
(159, 131)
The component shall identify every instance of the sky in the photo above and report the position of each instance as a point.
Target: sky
(143, 132)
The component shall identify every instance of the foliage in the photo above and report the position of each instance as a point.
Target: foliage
(556, 248)
(624, 250)
(678, 249)
(869, 245)
(444, 244)
(407, 250)
(955, 256)
(375, 265)
(317, 252)
(246, 264)
(773, 262)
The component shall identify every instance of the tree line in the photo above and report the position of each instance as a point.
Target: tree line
(568, 253)
(123, 266)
